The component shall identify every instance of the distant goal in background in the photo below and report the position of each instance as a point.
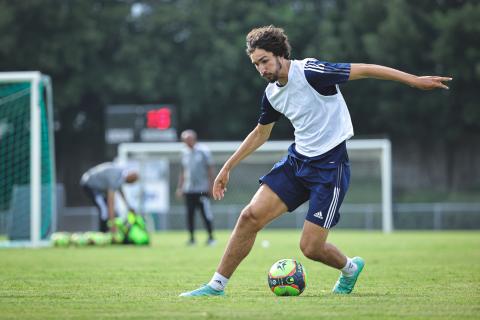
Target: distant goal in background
(368, 204)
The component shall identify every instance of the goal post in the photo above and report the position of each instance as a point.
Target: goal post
(27, 162)
(376, 151)
(383, 149)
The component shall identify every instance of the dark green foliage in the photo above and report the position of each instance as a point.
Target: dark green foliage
(191, 53)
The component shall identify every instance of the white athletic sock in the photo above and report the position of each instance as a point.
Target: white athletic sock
(218, 282)
(349, 268)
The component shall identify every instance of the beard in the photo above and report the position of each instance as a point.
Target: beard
(273, 77)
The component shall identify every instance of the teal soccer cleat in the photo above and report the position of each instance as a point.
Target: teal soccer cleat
(345, 284)
(203, 291)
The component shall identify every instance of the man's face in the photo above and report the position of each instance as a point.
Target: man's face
(189, 140)
(267, 64)
(131, 177)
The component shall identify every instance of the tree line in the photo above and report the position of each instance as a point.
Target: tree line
(190, 53)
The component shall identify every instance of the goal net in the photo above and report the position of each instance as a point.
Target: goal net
(368, 204)
(27, 175)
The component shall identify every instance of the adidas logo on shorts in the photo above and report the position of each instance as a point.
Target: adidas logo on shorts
(318, 215)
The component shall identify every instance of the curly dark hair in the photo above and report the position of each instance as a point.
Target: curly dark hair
(269, 38)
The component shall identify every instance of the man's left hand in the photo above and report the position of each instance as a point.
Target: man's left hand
(431, 82)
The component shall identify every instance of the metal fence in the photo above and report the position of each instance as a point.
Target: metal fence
(437, 215)
(407, 216)
(427, 216)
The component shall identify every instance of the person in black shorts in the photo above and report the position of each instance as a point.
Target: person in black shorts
(195, 184)
(316, 168)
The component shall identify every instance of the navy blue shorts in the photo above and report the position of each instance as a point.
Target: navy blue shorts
(323, 180)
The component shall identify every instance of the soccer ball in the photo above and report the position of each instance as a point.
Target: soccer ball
(60, 239)
(98, 238)
(79, 239)
(287, 277)
(102, 239)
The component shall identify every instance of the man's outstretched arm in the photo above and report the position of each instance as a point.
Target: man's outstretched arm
(363, 71)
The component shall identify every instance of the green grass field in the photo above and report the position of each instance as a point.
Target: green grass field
(408, 275)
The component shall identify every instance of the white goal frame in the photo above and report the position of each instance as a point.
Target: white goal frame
(35, 78)
(382, 148)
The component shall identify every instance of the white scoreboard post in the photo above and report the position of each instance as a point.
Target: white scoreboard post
(152, 123)
(151, 194)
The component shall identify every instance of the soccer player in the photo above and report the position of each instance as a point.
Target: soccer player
(316, 167)
(195, 182)
(100, 184)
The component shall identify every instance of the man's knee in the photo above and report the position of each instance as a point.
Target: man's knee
(250, 218)
(314, 250)
(313, 242)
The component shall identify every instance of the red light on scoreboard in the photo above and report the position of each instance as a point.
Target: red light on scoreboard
(159, 118)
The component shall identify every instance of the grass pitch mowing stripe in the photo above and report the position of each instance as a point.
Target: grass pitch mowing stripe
(410, 275)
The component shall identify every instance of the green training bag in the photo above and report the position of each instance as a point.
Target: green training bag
(132, 230)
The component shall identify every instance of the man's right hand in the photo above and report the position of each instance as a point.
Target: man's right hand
(220, 184)
(111, 226)
(179, 193)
